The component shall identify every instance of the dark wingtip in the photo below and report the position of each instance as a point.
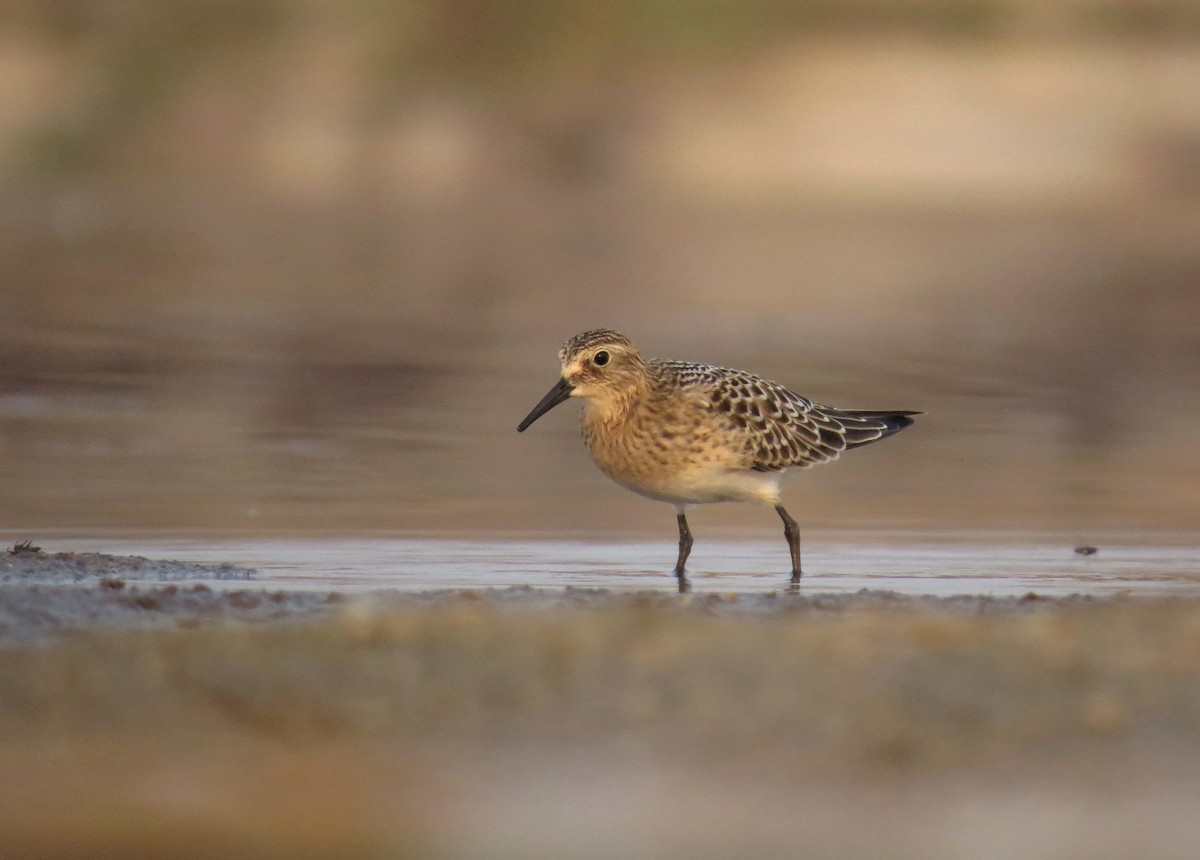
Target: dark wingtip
(897, 421)
(892, 421)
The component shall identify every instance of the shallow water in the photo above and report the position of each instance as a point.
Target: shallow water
(949, 566)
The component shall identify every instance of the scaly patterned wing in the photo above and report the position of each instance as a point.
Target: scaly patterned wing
(782, 429)
(787, 430)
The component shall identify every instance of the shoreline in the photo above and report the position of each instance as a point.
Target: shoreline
(176, 720)
(44, 594)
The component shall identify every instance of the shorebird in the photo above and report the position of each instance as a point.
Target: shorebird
(689, 434)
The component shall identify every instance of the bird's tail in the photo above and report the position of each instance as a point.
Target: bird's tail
(864, 426)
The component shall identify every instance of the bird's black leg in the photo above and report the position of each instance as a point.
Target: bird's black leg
(791, 531)
(685, 547)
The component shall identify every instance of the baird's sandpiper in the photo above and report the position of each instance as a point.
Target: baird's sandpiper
(688, 433)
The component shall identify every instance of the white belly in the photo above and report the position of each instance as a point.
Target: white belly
(697, 486)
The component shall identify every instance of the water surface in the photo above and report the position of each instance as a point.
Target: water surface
(945, 567)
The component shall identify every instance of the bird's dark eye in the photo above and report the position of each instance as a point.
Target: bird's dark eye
(600, 359)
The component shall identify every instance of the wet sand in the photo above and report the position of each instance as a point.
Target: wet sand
(183, 719)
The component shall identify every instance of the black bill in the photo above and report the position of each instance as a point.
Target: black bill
(556, 395)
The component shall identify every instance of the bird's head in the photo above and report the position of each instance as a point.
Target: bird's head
(601, 366)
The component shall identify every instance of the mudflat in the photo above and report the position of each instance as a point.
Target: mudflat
(141, 718)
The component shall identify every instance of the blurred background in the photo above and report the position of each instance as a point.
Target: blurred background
(271, 265)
